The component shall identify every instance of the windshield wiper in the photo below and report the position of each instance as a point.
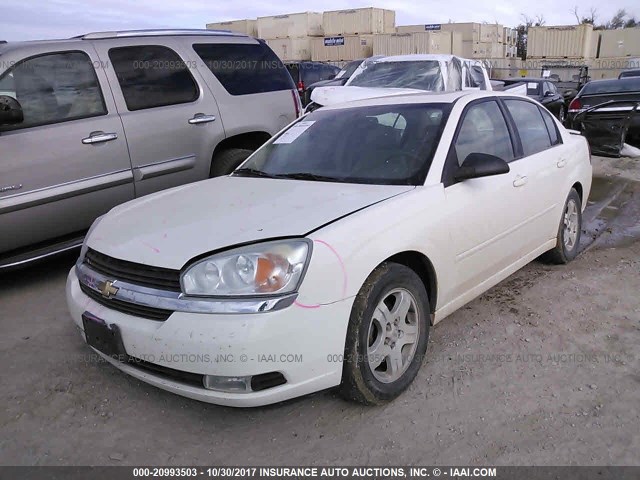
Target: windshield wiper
(252, 172)
(309, 176)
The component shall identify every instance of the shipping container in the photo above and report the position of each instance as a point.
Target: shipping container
(482, 50)
(503, 68)
(457, 45)
(341, 48)
(290, 25)
(247, 27)
(603, 68)
(291, 48)
(411, 43)
(428, 27)
(624, 42)
(358, 21)
(563, 41)
(509, 36)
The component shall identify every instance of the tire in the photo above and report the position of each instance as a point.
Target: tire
(562, 115)
(369, 342)
(227, 161)
(567, 245)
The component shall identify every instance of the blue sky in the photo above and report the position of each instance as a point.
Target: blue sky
(39, 19)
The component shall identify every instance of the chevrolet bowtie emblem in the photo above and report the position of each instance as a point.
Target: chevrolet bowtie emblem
(107, 289)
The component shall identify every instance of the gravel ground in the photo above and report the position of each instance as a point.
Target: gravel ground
(541, 370)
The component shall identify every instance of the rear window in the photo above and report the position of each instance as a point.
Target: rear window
(244, 69)
(421, 75)
(631, 84)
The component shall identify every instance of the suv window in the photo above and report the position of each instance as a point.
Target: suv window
(554, 135)
(54, 88)
(243, 69)
(484, 130)
(530, 125)
(152, 76)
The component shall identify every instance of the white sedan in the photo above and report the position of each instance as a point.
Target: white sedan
(324, 259)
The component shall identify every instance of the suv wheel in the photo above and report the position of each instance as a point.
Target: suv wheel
(227, 161)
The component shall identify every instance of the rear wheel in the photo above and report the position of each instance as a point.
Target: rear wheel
(227, 161)
(569, 231)
(387, 335)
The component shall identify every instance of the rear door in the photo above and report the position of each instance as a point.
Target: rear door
(541, 168)
(171, 119)
(67, 162)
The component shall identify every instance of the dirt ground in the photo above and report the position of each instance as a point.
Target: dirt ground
(544, 369)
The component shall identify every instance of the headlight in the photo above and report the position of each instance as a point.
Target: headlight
(83, 250)
(262, 269)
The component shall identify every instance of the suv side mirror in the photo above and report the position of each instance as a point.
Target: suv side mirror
(10, 111)
(548, 93)
(478, 165)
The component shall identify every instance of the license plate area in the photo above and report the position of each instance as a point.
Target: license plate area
(103, 337)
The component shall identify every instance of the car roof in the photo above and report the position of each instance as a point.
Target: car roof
(423, 57)
(525, 79)
(415, 98)
(618, 84)
(5, 47)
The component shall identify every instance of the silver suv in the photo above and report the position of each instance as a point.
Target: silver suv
(97, 120)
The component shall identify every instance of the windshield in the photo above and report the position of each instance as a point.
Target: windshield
(385, 145)
(348, 70)
(422, 75)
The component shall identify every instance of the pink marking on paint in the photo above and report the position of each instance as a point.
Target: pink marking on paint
(344, 270)
(302, 305)
(164, 236)
(151, 247)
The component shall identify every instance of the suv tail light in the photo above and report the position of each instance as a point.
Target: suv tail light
(296, 102)
(301, 86)
(575, 105)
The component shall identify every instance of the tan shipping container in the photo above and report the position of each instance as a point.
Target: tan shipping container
(457, 45)
(291, 48)
(247, 27)
(482, 50)
(619, 43)
(428, 27)
(412, 43)
(606, 68)
(562, 41)
(341, 48)
(290, 25)
(358, 21)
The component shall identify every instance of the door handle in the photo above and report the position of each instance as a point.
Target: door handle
(202, 118)
(562, 162)
(519, 181)
(99, 137)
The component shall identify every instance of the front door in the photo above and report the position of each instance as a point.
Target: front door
(67, 162)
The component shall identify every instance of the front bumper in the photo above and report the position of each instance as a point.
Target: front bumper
(304, 344)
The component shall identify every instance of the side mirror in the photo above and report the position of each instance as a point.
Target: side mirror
(10, 111)
(548, 94)
(478, 165)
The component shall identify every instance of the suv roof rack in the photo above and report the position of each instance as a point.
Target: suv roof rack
(158, 33)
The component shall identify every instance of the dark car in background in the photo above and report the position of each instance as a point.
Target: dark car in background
(308, 73)
(629, 73)
(607, 112)
(545, 92)
(339, 80)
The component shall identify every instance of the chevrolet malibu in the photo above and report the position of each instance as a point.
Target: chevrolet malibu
(324, 259)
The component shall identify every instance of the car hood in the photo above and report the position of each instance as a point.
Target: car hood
(334, 95)
(169, 228)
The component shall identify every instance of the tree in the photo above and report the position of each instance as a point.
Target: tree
(523, 31)
(581, 19)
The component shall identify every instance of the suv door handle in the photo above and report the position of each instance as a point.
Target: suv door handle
(99, 137)
(519, 181)
(202, 118)
(562, 162)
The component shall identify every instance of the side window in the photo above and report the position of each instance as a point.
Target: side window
(530, 125)
(311, 73)
(484, 130)
(554, 135)
(53, 88)
(244, 69)
(152, 76)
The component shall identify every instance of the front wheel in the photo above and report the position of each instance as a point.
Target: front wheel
(569, 231)
(387, 335)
